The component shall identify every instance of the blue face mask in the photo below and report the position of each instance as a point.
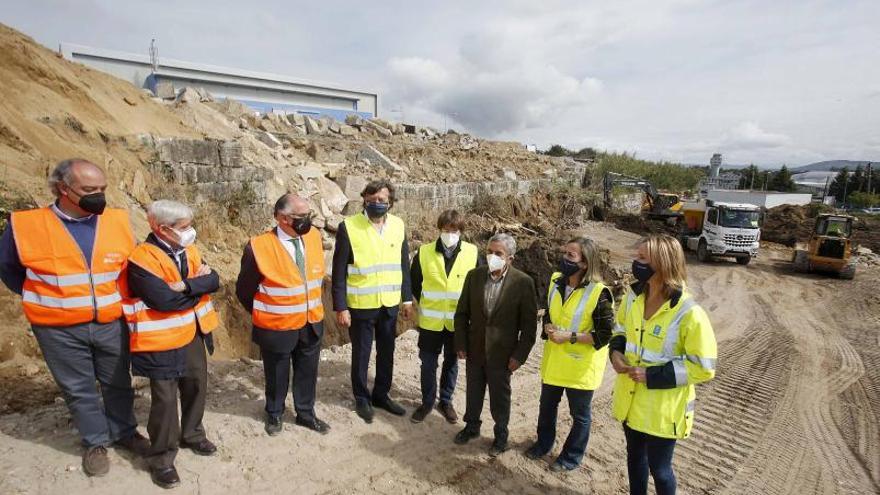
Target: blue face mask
(642, 271)
(376, 210)
(568, 268)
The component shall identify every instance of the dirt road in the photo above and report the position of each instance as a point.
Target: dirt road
(795, 409)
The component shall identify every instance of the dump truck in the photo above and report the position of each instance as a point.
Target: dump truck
(714, 228)
(829, 248)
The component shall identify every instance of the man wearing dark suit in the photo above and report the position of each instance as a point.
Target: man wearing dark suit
(495, 326)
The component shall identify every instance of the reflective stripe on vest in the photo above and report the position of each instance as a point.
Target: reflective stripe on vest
(375, 277)
(60, 287)
(153, 330)
(579, 366)
(440, 291)
(286, 298)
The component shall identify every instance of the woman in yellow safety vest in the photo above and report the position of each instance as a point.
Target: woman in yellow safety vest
(663, 344)
(577, 325)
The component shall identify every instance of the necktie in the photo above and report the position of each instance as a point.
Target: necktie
(300, 259)
(184, 265)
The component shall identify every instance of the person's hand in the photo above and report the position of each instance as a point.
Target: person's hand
(462, 354)
(560, 337)
(513, 365)
(618, 362)
(406, 311)
(549, 328)
(638, 374)
(177, 286)
(343, 318)
(203, 270)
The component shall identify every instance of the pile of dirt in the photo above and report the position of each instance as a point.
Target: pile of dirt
(788, 224)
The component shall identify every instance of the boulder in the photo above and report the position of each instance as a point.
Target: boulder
(265, 124)
(269, 140)
(315, 151)
(347, 130)
(352, 186)
(334, 127)
(506, 174)
(378, 129)
(352, 119)
(189, 95)
(376, 157)
(398, 129)
(310, 171)
(296, 119)
(381, 123)
(313, 127)
(332, 195)
(165, 90)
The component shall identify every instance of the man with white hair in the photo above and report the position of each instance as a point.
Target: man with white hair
(171, 317)
(64, 260)
(496, 321)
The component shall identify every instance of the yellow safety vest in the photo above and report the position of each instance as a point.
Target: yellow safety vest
(578, 366)
(440, 292)
(375, 278)
(682, 335)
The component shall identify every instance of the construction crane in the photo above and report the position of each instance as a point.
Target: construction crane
(656, 205)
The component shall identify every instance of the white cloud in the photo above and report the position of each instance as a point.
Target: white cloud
(750, 136)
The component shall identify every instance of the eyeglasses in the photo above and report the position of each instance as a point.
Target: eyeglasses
(305, 216)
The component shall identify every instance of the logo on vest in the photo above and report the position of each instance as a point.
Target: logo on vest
(113, 258)
(657, 330)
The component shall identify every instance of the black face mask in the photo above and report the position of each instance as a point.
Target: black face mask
(568, 268)
(376, 210)
(301, 225)
(93, 203)
(642, 271)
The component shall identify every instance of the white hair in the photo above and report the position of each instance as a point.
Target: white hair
(167, 212)
(507, 240)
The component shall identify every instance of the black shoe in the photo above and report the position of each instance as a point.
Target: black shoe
(466, 435)
(558, 467)
(497, 448)
(165, 477)
(390, 406)
(204, 447)
(273, 425)
(420, 414)
(365, 411)
(448, 412)
(534, 453)
(314, 425)
(136, 443)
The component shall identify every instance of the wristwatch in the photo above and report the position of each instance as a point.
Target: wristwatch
(574, 338)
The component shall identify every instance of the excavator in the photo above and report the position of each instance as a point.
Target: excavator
(656, 205)
(829, 248)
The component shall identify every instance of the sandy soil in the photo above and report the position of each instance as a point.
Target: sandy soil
(794, 409)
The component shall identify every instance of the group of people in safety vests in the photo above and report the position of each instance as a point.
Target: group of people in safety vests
(103, 307)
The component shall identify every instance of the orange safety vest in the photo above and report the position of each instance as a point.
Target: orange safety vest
(153, 330)
(60, 287)
(287, 299)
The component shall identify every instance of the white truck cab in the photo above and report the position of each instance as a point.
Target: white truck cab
(714, 228)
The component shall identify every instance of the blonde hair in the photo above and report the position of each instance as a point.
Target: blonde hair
(667, 260)
(590, 255)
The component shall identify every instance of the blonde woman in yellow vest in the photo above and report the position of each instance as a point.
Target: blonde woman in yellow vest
(663, 344)
(370, 285)
(577, 326)
(438, 272)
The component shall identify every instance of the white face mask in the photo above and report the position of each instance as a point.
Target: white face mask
(186, 237)
(495, 262)
(450, 239)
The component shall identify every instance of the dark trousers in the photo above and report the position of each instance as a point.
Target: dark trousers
(431, 343)
(80, 355)
(498, 380)
(579, 406)
(649, 453)
(164, 426)
(303, 359)
(362, 331)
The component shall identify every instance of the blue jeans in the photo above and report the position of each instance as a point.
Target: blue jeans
(78, 356)
(645, 453)
(579, 405)
(431, 343)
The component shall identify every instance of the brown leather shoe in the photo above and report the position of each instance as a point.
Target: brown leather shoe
(448, 412)
(204, 447)
(165, 477)
(95, 461)
(136, 443)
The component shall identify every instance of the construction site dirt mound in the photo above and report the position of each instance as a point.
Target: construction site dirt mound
(790, 224)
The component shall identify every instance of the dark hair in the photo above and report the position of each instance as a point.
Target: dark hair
(281, 204)
(377, 185)
(451, 218)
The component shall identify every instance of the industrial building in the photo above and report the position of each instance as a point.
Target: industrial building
(261, 91)
(766, 199)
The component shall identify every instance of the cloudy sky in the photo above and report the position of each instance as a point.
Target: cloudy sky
(767, 82)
